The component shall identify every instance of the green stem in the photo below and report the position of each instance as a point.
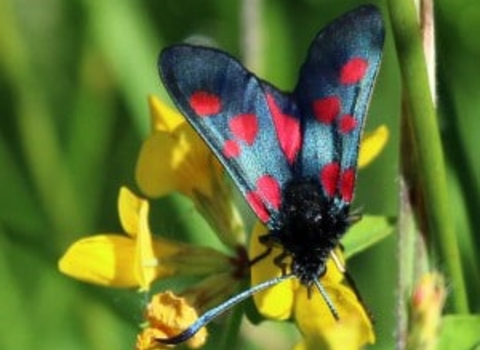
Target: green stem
(232, 328)
(427, 140)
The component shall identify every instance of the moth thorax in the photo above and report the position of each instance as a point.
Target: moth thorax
(311, 227)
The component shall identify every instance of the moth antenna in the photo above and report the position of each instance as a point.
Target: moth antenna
(355, 216)
(208, 316)
(327, 299)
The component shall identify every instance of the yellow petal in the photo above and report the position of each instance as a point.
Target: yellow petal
(119, 261)
(276, 302)
(146, 263)
(128, 209)
(163, 117)
(180, 162)
(102, 259)
(372, 144)
(147, 340)
(172, 315)
(154, 173)
(318, 326)
(335, 268)
(195, 165)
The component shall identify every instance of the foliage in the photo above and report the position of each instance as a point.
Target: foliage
(74, 81)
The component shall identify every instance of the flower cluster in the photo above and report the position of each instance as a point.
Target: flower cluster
(174, 159)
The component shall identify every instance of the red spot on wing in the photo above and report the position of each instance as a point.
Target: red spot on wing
(329, 176)
(205, 103)
(287, 128)
(257, 206)
(326, 109)
(268, 188)
(347, 123)
(231, 149)
(353, 71)
(244, 127)
(267, 194)
(347, 183)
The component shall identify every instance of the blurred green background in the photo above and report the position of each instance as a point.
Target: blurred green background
(74, 79)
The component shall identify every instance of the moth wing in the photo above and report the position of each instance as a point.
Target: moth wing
(333, 94)
(250, 126)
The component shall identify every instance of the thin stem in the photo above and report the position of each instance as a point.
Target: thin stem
(252, 34)
(431, 167)
(231, 331)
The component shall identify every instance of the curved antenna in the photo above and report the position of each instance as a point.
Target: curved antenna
(226, 305)
(327, 299)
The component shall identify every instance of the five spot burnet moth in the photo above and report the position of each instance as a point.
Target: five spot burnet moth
(292, 155)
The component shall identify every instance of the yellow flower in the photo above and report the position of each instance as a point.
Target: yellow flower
(168, 315)
(318, 326)
(312, 316)
(175, 159)
(136, 259)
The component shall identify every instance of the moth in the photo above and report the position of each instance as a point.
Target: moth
(293, 155)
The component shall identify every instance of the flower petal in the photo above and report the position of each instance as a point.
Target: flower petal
(372, 144)
(173, 158)
(163, 117)
(318, 325)
(119, 261)
(129, 206)
(179, 162)
(103, 259)
(335, 268)
(276, 302)
(146, 263)
(172, 314)
(147, 340)
(154, 173)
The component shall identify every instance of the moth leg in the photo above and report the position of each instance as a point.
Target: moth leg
(261, 256)
(266, 241)
(338, 263)
(355, 216)
(279, 261)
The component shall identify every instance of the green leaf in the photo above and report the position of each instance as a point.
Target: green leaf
(370, 230)
(460, 332)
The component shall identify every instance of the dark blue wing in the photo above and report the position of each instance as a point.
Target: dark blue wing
(250, 126)
(333, 93)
